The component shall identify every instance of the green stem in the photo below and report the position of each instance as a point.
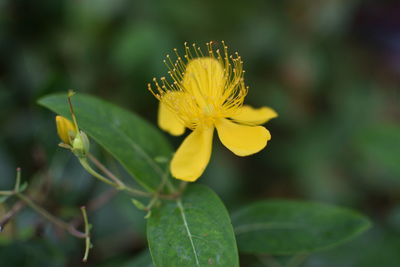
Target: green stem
(87, 233)
(7, 193)
(70, 94)
(166, 181)
(182, 186)
(135, 191)
(50, 217)
(16, 186)
(118, 184)
(170, 186)
(17, 180)
(104, 169)
(89, 169)
(152, 202)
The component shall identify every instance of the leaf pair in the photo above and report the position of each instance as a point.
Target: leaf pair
(195, 230)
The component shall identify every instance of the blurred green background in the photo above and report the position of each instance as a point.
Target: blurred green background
(330, 68)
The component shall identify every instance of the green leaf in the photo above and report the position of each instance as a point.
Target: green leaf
(23, 187)
(130, 139)
(139, 205)
(290, 227)
(192, 231)
(4, 198)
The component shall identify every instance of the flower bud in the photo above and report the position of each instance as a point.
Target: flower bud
(81, 145)
(65, 129)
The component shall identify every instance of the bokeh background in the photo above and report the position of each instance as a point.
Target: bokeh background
(330, 68)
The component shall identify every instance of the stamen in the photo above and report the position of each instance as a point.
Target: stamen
(213, 103)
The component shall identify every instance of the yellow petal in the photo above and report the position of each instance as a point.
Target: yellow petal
(192, 157)
(204, 79)
(249, 115)
(168, 119)
(65, 129)
(243, 140)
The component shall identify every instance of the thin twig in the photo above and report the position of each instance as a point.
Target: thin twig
(89, 169)
(120, 185)
(17, 207)
(70, 94)
(157, 194)
(87, 233)
(104, 169)
(17, 180)
(6, 193)
(50, 217)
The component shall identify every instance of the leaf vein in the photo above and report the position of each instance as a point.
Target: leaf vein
(182, 211)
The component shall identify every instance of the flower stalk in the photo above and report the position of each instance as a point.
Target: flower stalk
(88, 244)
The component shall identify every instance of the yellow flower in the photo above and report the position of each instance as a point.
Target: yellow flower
(66, 130)
(207, 91)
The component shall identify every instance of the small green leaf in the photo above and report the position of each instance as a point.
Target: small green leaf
(23, 187)
(138, 204)
(148, 215)
(130, 139)
(192, 231)
(290, 227)
(4, 198)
